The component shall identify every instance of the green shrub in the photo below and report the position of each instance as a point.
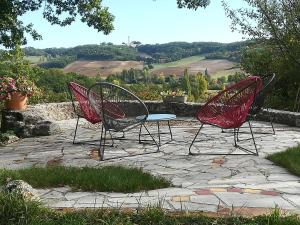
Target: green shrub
(14, 210)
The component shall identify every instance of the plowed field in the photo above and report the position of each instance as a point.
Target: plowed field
(104, 68)
(215, 67)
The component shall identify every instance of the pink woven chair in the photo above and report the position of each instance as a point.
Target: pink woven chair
(80, 94)
(229, 110)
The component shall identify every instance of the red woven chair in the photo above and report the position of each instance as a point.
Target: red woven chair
(80, 94)
(229, 109)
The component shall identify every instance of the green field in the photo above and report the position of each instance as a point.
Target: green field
(36, 59)
(225, 73)
(180, 63)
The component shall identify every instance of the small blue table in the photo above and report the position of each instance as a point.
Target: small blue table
(158, 118)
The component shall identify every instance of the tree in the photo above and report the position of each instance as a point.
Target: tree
(186, 85)
(60, 12)
(192, 4)
(199, 86)
(273, 22)
(258, 60)
(274, 27)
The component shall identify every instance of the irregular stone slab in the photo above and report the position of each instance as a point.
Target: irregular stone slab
(76, 195)
(294, 199)
(63, 204)
(205, 199)
(253, 200)
(190, 206)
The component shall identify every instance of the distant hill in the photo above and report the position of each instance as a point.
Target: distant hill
(178, 50)
(157, 53)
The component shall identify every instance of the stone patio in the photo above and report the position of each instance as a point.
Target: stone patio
(250, 184)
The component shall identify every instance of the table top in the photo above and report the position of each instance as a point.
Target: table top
(161, 117)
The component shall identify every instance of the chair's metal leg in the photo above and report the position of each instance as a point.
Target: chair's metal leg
(102, 152)
(158, 133)
(237, 134)
(112, 139)
(76, 130)
(170, 130)
(151, 137)
(234, 137)
(140, 132)
(100, 146)
(271, 120)
(253, 137)
(272, 126)
(190, 153)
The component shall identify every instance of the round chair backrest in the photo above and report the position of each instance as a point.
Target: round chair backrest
(119, 108)
(80, 94)
(230, 107)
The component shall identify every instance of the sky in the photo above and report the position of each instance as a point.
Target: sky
(147, 21)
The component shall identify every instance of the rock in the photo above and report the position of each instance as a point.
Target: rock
(23, 188)
(45, 128)
(9, 139)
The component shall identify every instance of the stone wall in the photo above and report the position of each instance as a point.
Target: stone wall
(39, 120)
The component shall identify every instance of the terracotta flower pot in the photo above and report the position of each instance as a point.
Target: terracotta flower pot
(17, 102)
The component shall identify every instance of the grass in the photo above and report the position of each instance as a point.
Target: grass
(289, 159)
(105, 179)
(14, 210)
(224, 73)
(179, 63)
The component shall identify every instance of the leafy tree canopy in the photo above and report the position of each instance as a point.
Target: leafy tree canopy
(273, 22)
(192, 4)
(274, 25)
(60, 12)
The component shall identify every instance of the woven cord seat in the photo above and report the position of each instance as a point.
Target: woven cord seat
(86, 111)
(83, 110)
(229, 108)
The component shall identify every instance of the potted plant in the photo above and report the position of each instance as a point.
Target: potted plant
(174, 96)
(15, 92)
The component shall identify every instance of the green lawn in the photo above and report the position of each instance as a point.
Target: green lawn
(14, 210)
(289, 159)
(105, 179)
(180, 63)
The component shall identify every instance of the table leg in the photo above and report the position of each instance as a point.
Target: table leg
(170, 130)
(140, 134)
(158, 133)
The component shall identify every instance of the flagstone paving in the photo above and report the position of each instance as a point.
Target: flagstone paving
(200, 183)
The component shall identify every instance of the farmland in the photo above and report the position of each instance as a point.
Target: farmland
(195, 64)
(104, 68)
